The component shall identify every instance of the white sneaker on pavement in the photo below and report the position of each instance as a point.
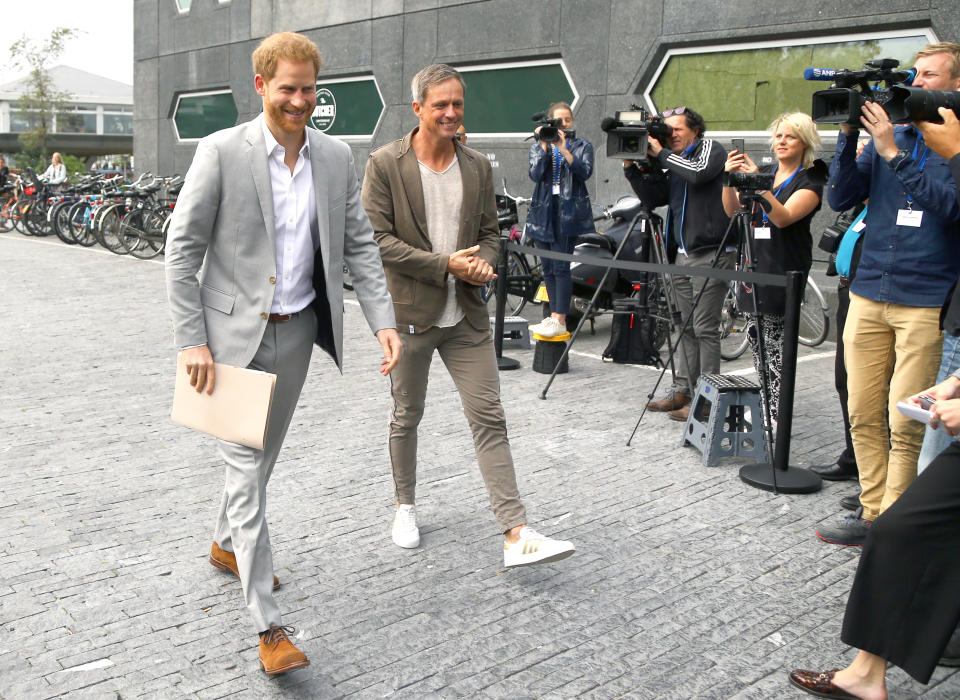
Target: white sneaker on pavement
(549, 328)
(405, 533)
(534, 548)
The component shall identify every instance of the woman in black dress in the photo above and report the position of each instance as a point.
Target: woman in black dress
(780, 240)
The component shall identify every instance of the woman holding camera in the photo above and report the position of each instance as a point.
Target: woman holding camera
(560, 210)
(780, 237)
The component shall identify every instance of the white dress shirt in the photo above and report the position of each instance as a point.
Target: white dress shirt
(295, 224)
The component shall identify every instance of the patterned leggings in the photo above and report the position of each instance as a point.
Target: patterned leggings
(772, 327)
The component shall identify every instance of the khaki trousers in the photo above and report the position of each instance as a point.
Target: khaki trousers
(891, 352)
(469, 358)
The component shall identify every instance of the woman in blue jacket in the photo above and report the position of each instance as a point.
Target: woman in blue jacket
(560, 210)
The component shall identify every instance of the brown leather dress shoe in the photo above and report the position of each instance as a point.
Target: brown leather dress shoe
(819, 684)
(222, 559)
(277, 652)
(671, 402)
(680, 414)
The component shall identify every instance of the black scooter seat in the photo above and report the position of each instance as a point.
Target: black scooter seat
(598, 239)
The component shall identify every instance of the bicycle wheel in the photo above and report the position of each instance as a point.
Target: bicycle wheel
(78, 224)
(814, 322)
(108, 229)
(22, 208)
(58, 217)
(518, 276)
(6, 206)
(733, 328)
(148, 242)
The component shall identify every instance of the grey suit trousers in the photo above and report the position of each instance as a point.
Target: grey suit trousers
(241, 524)
(469, 357)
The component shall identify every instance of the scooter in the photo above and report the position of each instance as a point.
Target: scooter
(620, 283)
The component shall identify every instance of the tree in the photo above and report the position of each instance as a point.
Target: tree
(40, 99)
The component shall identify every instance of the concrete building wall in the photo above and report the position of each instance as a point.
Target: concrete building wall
(611, 47)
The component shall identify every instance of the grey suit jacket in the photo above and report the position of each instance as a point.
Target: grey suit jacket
(220, 255)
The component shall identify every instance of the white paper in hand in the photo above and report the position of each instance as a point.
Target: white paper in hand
(916, 413)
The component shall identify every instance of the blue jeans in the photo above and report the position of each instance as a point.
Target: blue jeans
(936, 441)
(556, 274)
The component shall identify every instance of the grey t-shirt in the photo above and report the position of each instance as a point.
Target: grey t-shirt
(443, 198)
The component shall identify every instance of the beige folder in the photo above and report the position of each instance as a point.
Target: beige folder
(238, 410)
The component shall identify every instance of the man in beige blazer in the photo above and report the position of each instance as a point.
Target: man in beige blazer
(268, 214)
(431, 202)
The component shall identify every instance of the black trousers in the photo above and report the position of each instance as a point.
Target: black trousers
(905, 602)
(847, 459)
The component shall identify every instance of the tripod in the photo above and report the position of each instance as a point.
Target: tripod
(740, 225)
(648, 226)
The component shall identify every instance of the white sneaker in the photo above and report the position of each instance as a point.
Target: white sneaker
(405, 532)
(534, 548)
(549, 328)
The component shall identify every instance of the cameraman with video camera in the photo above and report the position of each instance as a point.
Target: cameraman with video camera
(687, 177)
(909, 260)
(560, 164)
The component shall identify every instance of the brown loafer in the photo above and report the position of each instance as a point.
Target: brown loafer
(277, 652)
(671, 402)
(680, 414)
(222, 559)
(819, 684)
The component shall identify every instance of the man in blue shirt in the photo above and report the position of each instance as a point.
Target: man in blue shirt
(909, 261)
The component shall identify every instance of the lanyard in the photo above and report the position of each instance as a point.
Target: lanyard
(683, 209)
(782, 185)
(556, 165)
(920, 163)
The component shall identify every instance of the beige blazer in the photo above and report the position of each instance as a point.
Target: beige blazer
(392, 194)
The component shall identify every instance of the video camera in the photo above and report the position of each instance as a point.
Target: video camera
(549, 128)
(842, 103)
(748, 183)
(629, 131)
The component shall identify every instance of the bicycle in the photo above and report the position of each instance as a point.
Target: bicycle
(814, 321)
(523, 277)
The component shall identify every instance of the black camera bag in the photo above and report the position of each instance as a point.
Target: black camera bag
(631, 335)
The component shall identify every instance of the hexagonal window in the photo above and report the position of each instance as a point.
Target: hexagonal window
(744, 87)
(198, 114)
(500, 98)
(183, 6)
(348, 108)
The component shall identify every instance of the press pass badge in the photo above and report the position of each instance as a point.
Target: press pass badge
(909, 217)
(556, 189)
(761, 233)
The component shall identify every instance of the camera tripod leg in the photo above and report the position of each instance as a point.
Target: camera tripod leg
(643, 216)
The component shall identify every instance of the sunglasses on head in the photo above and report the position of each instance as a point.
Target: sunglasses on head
(674, 112)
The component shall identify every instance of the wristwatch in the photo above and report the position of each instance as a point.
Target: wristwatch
(897, 159)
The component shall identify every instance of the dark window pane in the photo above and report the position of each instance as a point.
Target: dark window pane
(501, 100)
(200, 115)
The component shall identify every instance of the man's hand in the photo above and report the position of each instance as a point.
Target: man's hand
(654, 147)
(199, 363)
(944, 138)
(878, 125)
(392, 349)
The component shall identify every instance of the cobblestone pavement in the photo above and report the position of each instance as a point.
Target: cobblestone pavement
(686, 583)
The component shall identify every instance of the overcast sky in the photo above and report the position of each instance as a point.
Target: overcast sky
(104, 45)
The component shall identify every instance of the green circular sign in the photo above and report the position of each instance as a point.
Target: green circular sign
(325, 112)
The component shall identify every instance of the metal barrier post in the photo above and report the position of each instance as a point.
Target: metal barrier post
(503, 363)
(780, 477)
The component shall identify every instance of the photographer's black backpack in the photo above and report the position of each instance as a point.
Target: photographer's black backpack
(631, 335)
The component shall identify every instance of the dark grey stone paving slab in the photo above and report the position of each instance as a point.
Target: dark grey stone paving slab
(687, 583)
